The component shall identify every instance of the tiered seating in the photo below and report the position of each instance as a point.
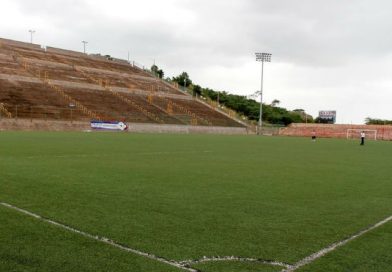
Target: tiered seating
(9, 67)
(119, 75)
(35, 100)
(174, 107)
(113, 109)
(217, 118)
(155, 109)
(42, 83)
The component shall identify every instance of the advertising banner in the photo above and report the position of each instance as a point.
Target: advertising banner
(104, 125)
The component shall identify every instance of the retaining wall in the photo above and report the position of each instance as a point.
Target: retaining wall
(41, 125)
(50, 125)
(334, 131)
(71, 53)
(21, 44)
(180, 129)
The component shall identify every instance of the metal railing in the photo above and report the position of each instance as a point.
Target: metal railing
(43, 76)
(4, 110)
(127, 100)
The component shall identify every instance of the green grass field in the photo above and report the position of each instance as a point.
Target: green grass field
(182, 197)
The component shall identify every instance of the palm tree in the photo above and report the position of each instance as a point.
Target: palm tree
(275, 102)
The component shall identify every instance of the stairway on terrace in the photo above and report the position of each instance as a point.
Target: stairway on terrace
(161, 112)
(35, 100)
(114, 108)
(215, 117)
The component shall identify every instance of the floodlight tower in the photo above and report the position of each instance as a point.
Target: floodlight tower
(262, 57)
(31, 35)
(84, 46)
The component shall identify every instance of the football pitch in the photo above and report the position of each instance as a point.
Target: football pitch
(156, 203)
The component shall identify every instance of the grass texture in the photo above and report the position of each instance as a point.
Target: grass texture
(188, 196)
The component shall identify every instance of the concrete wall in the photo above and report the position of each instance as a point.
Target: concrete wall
(21, 44)
(122, 61)
(42, 125)
(181, 129)
(334, 131)
(64, 52)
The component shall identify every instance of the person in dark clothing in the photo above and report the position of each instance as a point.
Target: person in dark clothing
(363, 138)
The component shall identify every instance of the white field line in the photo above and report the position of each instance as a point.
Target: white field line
(234, 258)
(107, 155)
(334, 246)
(173, 152)
(185, 265)
(101, 239)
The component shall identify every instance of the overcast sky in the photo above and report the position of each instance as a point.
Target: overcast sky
(326, 55)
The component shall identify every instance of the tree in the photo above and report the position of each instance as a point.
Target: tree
(247, 106)
(306, 118)
(158, 72)
(275, 102)
(196, 90)
(371, 121)
(321, 120)
(183, 79)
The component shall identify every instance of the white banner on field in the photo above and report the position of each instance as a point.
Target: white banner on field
(109, 125)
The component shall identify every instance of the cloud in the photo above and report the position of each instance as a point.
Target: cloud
(326, 54)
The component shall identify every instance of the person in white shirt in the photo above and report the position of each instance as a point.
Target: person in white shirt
(363, 138)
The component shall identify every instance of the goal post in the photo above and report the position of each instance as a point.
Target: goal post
(355, 133)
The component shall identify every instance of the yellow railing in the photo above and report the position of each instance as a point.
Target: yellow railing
(105, 84)
(195, 119)
(194, 116)
(44, 77)
(170, 104)
(150, 99)
(5, 111)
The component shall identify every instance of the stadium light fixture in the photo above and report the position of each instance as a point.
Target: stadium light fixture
(31, 35)
(84, 46)
(262, 57)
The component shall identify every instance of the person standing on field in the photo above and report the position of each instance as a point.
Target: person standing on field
(313, 135)
(363, 138)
